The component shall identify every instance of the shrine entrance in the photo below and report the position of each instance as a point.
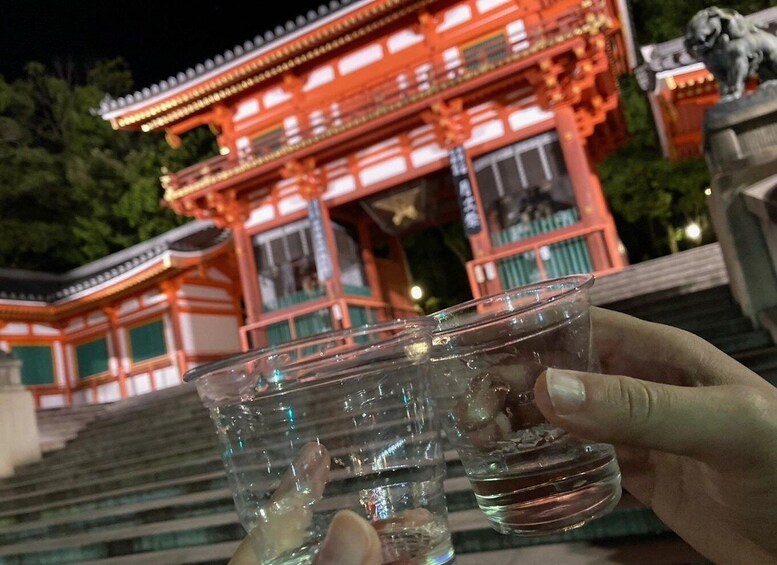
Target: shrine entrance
(415, 237)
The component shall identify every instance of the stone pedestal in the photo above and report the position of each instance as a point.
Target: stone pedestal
(740, 145)
(19, 442)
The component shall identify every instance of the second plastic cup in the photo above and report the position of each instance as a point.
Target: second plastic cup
(529, 477)
(343, 420)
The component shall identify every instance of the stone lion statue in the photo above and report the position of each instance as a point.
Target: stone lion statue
(732, 47)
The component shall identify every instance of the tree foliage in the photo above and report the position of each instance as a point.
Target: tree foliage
(650, 196)
(72, 189)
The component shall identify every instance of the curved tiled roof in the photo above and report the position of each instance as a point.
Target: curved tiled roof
(670, 55)
(250, 47)
(34, 286)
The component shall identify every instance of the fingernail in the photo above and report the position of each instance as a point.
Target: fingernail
(347, 542)
(566, 391)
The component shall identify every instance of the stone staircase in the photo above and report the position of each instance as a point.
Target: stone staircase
(143, 481)
(57, 426)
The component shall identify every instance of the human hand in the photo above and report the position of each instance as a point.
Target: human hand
(350, 540)
(695, 432)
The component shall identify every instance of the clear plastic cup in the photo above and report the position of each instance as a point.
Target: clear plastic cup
(342, 420)
(529, 477)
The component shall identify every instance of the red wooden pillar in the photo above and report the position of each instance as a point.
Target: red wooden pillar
(170, 288)
(588, 191)
(68, 387)
(246, 266)
(112, 314)
(368, 258)
(311, 187)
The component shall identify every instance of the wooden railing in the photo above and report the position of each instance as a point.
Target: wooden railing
(315, 317)
(565, 251)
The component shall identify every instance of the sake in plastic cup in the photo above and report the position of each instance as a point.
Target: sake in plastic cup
(342, 420)
(529, 477)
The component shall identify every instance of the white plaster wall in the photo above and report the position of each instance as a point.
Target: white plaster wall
(318, 77)
(454, 17)
(528, 117)
(246, 109)
(208, 333)
(128, 306)
(382, 171)
(96, 318)
(427, 154)
(403, 39)
(166, 378)
(487, 5)
(40, 329)
(81, 397)
(202, 291)
(108, 392)
(360, 59)
(139, 384)
(52, 401)
(14, 328)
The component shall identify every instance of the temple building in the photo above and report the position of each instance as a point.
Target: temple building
(339, 134)
(130, 323)
(680, 89)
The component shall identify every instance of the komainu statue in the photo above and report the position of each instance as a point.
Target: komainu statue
(733, 48)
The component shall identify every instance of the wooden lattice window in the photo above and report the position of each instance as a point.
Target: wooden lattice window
(37, 364)
(92, 357)
(147, 341)
(486, 50)
(268, 141)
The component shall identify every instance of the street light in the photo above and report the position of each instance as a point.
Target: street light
(693, 231)
(416, 292)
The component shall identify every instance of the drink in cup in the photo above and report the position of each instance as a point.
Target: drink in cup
(529, 477)
(342, 420)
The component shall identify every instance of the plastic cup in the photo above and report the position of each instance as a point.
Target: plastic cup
(342, 420)
(529, 477)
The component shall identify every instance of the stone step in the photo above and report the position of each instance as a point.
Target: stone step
(663, 549)
(699, 268)
(90, 470)
(147, 491)
(126, 445)
(196, 438)
(458, 491)
(100, 427)
(759, 360)
(204, 462)
(669, 300)
(682, 313)
(737, 344)
(469, 528)
(724, 329)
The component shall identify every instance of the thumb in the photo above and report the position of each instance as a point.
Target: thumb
(702, 422)
(351, 540)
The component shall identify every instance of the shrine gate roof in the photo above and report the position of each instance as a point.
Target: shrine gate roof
(193, 237)
(230, 58)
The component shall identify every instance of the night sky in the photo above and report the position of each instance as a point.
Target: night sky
(157, 39)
